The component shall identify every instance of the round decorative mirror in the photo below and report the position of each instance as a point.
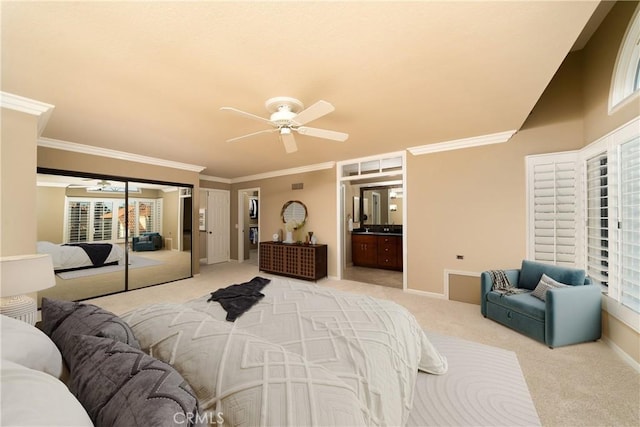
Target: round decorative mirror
(294, 211)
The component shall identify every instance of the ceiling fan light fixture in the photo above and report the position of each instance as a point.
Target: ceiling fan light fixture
(285, 131)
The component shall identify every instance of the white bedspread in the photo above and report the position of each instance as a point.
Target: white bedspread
(304, 355)
(70, 257)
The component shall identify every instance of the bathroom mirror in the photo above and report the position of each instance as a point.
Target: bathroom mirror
(381, 205)
(294, 210)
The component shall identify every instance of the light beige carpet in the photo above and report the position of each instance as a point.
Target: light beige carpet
(579, 385)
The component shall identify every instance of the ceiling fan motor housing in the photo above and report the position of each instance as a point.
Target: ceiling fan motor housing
(283, 109)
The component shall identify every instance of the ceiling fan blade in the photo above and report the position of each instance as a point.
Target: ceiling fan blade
(323, 133)
(251, 134)
(289, 142)
(315, 111)
(245, 114)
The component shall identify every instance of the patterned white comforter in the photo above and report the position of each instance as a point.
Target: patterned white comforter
(303, 355)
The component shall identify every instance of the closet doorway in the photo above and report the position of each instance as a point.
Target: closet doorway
(248, 225)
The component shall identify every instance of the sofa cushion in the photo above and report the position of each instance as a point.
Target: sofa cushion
(544, 285)
(522, 303)
(531, 272)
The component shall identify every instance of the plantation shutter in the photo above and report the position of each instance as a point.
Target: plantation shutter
(598, 192)
(77, 221)
(552, 210)
(630, 224)
(102, 220)
(156, 219)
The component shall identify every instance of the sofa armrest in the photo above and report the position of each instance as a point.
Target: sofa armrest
(486, 284)
(573, 314)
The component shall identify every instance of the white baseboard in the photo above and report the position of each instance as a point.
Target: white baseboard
(628, 359)
(425, 293)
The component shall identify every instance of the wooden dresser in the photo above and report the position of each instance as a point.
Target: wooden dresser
(308, 262)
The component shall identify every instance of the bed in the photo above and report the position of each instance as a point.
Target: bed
(301, 355)
(69, 257)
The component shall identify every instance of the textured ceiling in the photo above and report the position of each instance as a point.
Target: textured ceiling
(150, 77)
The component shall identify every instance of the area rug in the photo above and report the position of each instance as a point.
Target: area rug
(483, 387)
(135, 261)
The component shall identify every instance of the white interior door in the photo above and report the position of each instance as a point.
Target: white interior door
(218, 226)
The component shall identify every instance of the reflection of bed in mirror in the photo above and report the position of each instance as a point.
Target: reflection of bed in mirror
(77, 256)
(109, 212)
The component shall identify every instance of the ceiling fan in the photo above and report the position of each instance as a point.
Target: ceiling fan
(96, 185)
(288, 115)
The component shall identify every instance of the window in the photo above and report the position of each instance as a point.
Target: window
(584, 210)
(630, 224)
(625, 83)
(378, 166)
(552, 215)
(597, 211)
(92, 219)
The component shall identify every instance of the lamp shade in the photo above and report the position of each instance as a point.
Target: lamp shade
(24, 274)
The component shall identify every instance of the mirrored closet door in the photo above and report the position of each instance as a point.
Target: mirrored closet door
(108, 235)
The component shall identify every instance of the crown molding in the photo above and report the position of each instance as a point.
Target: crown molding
(30, 106)
(284, 172)
(456, 144)
(114, 154)
(215, 179)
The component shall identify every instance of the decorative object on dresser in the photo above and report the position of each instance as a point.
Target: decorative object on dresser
(308, 262)
(21, 275)
(294, 216)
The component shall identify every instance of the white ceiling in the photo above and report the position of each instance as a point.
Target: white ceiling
(150, 77)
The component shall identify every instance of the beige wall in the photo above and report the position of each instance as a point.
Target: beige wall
(78, 162)
(50, 212)
(18, 183)
(170, 218)
(319, 196)
(472, 202)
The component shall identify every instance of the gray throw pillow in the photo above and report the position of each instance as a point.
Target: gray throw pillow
(119, 385)
(61, 320)
(544, 285)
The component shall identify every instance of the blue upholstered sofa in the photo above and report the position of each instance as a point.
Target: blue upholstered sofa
(569, 315)
(147, 242)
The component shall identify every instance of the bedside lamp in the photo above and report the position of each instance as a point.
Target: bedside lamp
(20, 275)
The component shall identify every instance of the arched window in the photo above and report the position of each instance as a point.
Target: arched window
(625, 84)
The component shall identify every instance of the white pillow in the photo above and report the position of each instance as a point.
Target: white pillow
(27, 345)
(33, 398)
(544, 285)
